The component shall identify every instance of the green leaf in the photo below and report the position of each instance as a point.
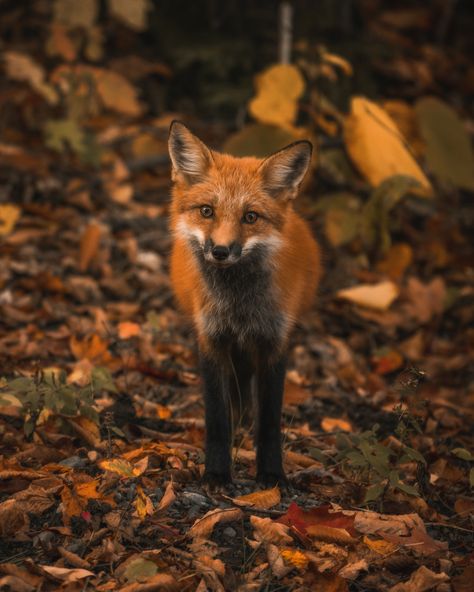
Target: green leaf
(375, 220)
(21, 384)
(374, 492)
(377, 456)
(448, 147)
(101, 379)
(140, 570)
(463, 454)
(68, 131)
(258, 140)
(414, 454)
(317, 454)
(407, 488)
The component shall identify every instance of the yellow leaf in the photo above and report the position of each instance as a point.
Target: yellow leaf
(143, 504)
(377, 146)
(330, 424)
(380, 546)
(8, 216)
(295, 557)
(122, 467)
(378, 296)
(260, 499)
(278, 90)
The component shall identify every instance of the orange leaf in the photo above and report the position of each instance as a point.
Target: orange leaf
(90, 240)
(124, 468)
(92, 348)
(379, 546)
(127, 330)
(295, 557)
(143, 504)
(330, 534)
(262, 500)
(331, 424)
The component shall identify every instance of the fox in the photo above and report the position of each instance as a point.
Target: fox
(244, 267)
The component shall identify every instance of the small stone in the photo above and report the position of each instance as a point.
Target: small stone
(195, 498)
(74, 462)
(229, 532)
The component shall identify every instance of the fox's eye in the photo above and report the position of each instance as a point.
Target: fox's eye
(250, 217)
(206, 211)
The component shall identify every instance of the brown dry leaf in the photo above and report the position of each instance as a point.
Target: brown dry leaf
(421, 581)
(262, 500)
(203, 527)
(60, 44)
(398, 258)
(463, 582)
(116, 92)
(276, 562)
(126, 330)
(131, 13)
(268, 531)
(67, 575)
(72, 504)
(377, 147)
(406, 529)
(76, 14)
(332, 424)
(376, 296)
(330, 534)
(143, 504)
(13, 518)
(353, 569)
(464, 506)
(19, 66)
(425, 300)
(168, 497)
(278, 89)
(212, 570)
(15, 583)
(34, 500)
(89, 245)
(9, 215)
(380, 546)
(161, 581)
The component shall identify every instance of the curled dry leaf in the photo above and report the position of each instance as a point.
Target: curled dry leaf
(203, 527)
(377, 296)
(352, 570)
(330, 534)
(377, 147)
(276, 562)
(65, 574)
(143, 504)
(262, 500)
(268, 531)
(168, 497)
(19, 66)
(421, 581)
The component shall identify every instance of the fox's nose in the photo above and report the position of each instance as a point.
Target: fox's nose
(220, 252)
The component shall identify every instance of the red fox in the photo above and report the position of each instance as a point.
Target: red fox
(244, 266)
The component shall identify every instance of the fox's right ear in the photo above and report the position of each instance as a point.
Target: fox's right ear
(190, 157)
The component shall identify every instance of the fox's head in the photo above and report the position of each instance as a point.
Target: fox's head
(226, 207)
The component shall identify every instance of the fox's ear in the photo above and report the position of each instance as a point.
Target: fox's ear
(190, 157)
(283, 171)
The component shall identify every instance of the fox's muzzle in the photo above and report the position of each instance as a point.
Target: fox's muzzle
(222, 254)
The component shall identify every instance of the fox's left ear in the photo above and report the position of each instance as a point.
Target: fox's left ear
(190, 157)
(283, 171)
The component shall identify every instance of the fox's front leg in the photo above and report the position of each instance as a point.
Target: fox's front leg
(218, 422)
(271, 380)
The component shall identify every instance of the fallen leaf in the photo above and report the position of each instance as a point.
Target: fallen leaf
(268, 531)
(67, 575)
(143, 504)
(377, 147)
(380, 546)
(203, 527)
(296, 557)
(9, 215)
(463, 582)
(89, 245)
(323, 515)
(131, 13)
(126, 330)
(168, 497)
(13, 519)
(376, 296)
(278, 89)
(396, 261)
(332, 424)
(60, 44)
(422, 580)
(424, 301)
(276, 562)
(262, 500)
(122, 467)
(330, 534)
(352, 570)
(19, 66)
(116, 92)
(76, 14)
(448, 146)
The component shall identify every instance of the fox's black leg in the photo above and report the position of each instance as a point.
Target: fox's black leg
(240, 378)
(218, 427)
(271, 380)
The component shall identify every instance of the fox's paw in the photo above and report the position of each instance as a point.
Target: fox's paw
(216, 481)
(268, 479)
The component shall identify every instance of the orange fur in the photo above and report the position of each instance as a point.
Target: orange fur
(232, 186)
